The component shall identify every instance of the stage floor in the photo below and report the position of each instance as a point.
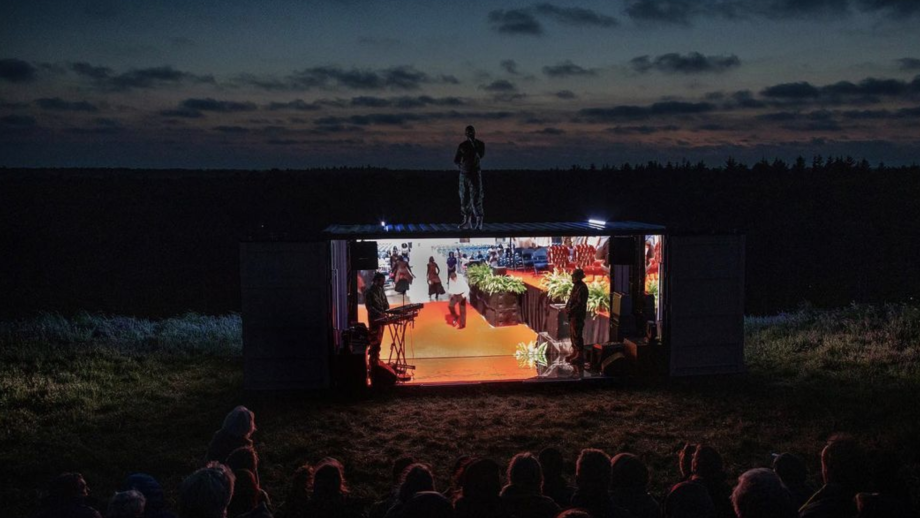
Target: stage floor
(443, 354)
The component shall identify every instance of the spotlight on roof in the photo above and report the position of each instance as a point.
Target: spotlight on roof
(597, 223)
(383, 223)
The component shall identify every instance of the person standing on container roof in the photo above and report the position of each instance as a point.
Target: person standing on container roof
(468, 157)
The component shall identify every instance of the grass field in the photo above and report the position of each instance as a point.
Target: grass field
(110, 395)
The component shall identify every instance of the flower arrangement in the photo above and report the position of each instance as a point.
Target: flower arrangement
(598, 297)
(531, 354)
(482, 277)
(558, 284)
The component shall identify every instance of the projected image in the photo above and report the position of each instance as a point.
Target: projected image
(487, 309)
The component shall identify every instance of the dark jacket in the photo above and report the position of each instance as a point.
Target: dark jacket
(599, 504)
(480, 508)
(720, 493)
(468, 157)
(559, 490)
(222, 444)
(155, 506)
(525, 504)
(637, 501)
(69, 508)
(577, 305)
(831, 501)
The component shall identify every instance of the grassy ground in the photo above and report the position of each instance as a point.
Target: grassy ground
(110, 395)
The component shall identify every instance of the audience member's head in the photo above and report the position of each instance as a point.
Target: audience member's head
(761, 494)
(790, 469)
(149, 487)
(482, 479)
(592, 471)
(685, 460)
(842, 462)
(456, 474)
(399, 466)
(525, 473)
(689, 500)
(707, 463)
(245, 493)
(628, 472)
(67, 486)
(329, 479)
(574, 513)
(206, 493)
(428, 504)
(416, 478)
(126, 504)
(244, 457)
(301, 483)
(240, 422)
(551, 461)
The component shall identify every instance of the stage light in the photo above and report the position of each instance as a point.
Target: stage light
(597, 223)
(383, 223)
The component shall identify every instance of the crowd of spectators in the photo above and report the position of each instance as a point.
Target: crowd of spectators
(534, 486)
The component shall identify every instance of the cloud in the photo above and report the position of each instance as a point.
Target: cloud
(406, 102)
(60, 105)
(499, 86)
(402, 118)
(630, 112)
(16, 71)
(526, 21)
(183, 113)
(565, 94)
(402, 77)
(18, 121)
(682, 12)
(640, 130)
(510, 66)
(568, 69)
(799, 90)
(909, 64)
(692, 63)
(515, 21)
(231, 130)
(576, 16)
(213, 105)
(549, 131)
(296, 104)
(661, 11)
(105, 77)
(868, 89)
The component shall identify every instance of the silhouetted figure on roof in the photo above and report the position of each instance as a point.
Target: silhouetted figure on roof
(468, 157)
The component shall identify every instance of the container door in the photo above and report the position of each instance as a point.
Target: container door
(286, 315)
(704, 297)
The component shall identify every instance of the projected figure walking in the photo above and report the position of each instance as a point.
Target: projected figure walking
(469, 154)
(577, 309)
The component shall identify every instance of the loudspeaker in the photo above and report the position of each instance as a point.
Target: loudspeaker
(382, 375)
(623, 251)
(363, 255)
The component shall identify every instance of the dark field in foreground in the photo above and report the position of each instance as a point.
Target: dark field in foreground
(108, 396)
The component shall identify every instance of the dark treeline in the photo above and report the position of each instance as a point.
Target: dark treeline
(157, 243)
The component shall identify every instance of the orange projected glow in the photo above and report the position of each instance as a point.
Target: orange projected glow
(442, 353)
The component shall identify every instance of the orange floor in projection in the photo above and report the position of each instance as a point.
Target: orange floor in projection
(442, 353)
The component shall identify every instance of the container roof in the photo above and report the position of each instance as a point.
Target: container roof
(585, 228)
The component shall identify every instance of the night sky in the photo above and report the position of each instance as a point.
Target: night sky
(298, 84)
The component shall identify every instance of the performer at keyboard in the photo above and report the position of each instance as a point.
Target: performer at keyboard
(375, 300)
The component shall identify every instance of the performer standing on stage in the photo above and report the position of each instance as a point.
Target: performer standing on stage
(577, 310)
(469, 154)
(457, 289)
(375, 300)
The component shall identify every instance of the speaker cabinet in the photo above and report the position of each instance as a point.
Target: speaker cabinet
(623, 251)
(363, 255)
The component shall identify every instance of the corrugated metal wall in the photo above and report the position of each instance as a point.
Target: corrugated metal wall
(704, 293)
(286, 315)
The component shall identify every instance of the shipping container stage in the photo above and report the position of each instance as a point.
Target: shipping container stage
(660, 303)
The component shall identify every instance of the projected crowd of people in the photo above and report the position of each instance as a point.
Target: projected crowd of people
(532, 484)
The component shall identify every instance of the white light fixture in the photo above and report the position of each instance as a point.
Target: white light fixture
(383, 223)
(597, 223)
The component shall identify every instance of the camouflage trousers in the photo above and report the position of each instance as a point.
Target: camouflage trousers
(471, 194)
